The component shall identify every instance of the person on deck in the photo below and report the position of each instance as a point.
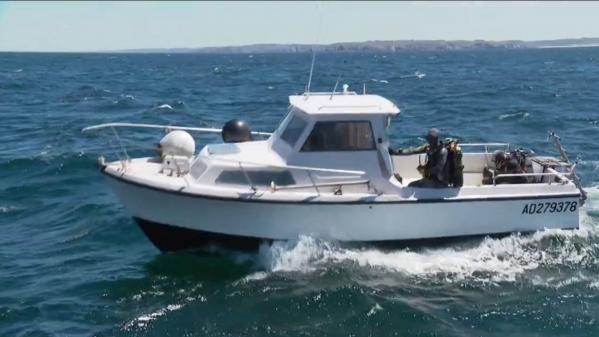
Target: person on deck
(505, 163)
(434, 171)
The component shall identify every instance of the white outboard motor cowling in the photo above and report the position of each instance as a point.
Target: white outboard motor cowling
(176, 150)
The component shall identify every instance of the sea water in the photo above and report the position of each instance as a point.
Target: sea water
(73, 262)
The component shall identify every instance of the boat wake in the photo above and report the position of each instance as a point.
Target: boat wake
(486, 260)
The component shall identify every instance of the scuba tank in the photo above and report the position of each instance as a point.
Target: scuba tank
(455, 167)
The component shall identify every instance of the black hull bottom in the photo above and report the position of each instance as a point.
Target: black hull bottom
(173, 238)
(170, 238)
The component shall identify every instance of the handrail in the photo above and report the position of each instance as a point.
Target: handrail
(291, 167)
(483, 144)
(156, 126)
(274, 187)
(561, 175)
(307, 169)
(486, 146)
(556, 174)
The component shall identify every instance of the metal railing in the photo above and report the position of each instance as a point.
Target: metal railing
(163, 127)
(124, 158)
(561, 175)
(486, 146)
(242, 165)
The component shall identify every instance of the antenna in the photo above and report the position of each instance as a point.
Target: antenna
(314, 51)
(335, 87)
(311, 71)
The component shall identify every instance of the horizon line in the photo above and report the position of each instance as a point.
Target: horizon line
(258, 44)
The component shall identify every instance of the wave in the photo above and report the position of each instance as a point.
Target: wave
(4, 209)
(416, 74)
(168, 106)
(86, 93)
(104, 98)
(143, 320)
(71, 160)
(487, 260)
(164, 107)
(120, 102)
(520, 115)
(14, 86)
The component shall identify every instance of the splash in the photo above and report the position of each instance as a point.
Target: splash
(376, 308)
(488, 260)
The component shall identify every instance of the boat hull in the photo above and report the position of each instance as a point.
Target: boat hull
(174, 220)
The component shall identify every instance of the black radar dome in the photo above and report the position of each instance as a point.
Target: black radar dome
(236, 131)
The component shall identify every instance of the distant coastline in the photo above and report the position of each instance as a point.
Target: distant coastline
(375, 46)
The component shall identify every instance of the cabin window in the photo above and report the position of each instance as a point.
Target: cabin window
(294, 130)
(340, 136)
(198, 168)
(257, 178)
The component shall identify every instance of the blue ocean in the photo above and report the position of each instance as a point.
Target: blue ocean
(73, 262)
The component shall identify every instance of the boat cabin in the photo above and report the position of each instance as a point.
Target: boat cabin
(336, 131)
(325, 137)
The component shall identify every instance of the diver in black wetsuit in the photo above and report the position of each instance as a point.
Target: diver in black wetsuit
(434, 171)
(505, 163)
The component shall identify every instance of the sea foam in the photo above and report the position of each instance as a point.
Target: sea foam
(486, 260)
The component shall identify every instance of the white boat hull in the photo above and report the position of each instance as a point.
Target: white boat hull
(174, 220)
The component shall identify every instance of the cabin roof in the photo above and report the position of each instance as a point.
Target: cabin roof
(348, 103)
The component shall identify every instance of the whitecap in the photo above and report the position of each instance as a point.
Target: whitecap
(164, 107)
(376, 308)
(416, 74)
(9, 208)
(516, 115)
(257, 276)
(143, 320)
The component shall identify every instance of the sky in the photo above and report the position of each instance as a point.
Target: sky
(95, 26)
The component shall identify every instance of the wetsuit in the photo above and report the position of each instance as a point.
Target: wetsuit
(512, 166)
(435, 170)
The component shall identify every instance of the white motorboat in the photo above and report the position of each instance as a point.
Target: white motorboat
(326, 172)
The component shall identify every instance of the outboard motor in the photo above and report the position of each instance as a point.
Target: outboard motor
(236, 131)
